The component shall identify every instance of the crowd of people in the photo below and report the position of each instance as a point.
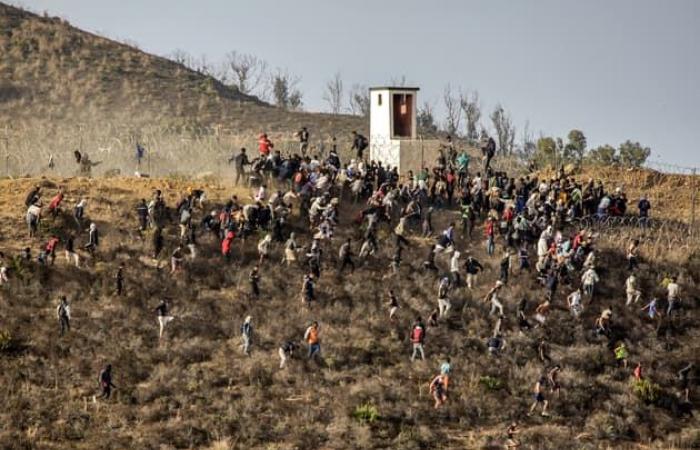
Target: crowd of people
(295, 206)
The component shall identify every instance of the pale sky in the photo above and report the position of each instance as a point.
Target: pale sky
(622, 69)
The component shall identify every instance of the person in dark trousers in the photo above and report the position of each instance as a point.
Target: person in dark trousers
(684, 381)
(359, 144)
(240, 161)
(79, 213)
(345, 257)
(120, 279)
(489, 152)
(105, 381)
(505, 267)
(63, 313)
(157, 242)
(142, 214)
(93, 240)
(50, 249)
(254, 278)
(307, 290)
(472, 267)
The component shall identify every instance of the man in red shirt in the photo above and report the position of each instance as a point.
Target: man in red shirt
(55, 203)
(264, 145)
(51, 248)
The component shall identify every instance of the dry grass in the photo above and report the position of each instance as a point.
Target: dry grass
(196, 389)
(62, 88)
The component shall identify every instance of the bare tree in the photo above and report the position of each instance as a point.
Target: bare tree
(333, 94)
(245, 72)
(399, 81)
(426, 119)
(505, 130)
(528, 146)
(472, 114)
(285, 93)
(182, 57)
(453, 115)
(358, 100)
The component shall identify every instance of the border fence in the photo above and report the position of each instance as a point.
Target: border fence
(201, 151)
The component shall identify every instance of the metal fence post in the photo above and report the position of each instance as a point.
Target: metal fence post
(693, 198)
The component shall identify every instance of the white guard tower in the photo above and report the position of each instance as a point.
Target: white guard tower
(392, 127)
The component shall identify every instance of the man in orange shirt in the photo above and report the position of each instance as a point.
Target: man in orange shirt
(311, 336)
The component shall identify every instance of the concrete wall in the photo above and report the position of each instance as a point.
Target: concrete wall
(382, 147)
(416, 154)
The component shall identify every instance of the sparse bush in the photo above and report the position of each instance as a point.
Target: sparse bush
(491, 383)
(646, 391)
(6, 341)
(366, 413)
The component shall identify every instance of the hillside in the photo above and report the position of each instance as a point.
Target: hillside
(62, 88)
(196, 389)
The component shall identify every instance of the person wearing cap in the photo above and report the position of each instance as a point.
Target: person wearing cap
(492, 297)
(247, 335)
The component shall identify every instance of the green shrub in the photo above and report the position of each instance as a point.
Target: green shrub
(366, 413)
(646, 391)
(6, 341)
(491, 383)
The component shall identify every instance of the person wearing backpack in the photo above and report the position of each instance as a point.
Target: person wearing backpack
(359, 144)
(417, 339)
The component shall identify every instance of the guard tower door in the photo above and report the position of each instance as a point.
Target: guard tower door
(402, 105)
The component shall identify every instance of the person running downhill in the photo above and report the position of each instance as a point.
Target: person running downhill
(438, 390)
(63, 314)
(311, 336)
(163, 317)
(105, 382)
(393, 305)
(418, 339)
(538, 394)
(247, 335)
(285, 352)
